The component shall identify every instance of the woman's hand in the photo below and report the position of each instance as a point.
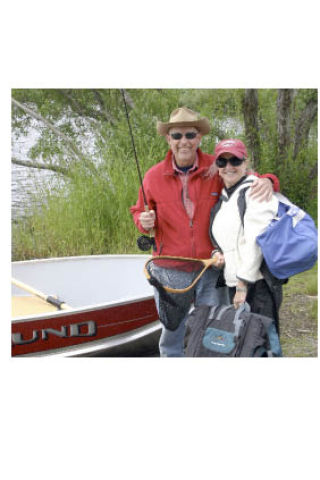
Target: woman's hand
(218, 259)
(241, 294)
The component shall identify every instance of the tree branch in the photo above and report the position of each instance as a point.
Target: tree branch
(74, 103)
(104, 112)
(85, 111)
(56, 130)
(41, 166)
(48, 124)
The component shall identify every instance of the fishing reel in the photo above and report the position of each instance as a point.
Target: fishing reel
(145, 243)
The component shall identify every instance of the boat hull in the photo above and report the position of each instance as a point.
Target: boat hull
(129, 327)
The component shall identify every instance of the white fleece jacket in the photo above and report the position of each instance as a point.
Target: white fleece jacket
(241, 252)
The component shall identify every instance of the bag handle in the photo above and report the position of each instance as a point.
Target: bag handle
(293, 211)
(223, 308)
(218, 310)
(244, 307)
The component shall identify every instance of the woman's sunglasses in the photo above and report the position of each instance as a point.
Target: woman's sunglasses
(234, 161)
(188, 135)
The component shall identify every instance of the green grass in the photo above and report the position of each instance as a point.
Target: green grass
(299, 315)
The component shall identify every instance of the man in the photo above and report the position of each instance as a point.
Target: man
(181, 190)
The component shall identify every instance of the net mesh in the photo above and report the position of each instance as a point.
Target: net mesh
(174, 279)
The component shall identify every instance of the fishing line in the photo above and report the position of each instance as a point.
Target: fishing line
(144, 242)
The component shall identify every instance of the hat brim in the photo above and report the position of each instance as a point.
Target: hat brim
(202, 125)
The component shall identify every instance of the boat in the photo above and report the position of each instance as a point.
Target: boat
(107, 307)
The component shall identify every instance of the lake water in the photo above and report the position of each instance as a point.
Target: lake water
(25, 180)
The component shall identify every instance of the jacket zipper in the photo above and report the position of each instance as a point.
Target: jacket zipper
(193, 249)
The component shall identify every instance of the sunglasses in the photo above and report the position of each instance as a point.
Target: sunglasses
(234, 161)
(188, 135)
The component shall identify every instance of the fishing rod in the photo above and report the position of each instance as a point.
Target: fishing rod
(144, 242)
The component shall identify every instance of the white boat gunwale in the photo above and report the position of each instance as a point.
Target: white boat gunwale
(87, 308)
(82, 257)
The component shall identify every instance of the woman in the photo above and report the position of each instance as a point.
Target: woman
(233, 234)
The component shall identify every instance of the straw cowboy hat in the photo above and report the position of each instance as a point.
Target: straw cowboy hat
(184, 117)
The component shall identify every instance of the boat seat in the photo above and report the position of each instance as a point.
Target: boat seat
(30, 305)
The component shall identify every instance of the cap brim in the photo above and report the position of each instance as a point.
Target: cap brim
(233, 151)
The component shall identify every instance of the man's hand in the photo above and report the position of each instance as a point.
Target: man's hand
(262, 189)
(147, 219)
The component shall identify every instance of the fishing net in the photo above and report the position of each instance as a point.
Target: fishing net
(174, 279)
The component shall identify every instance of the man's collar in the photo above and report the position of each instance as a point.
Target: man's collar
(194, 166)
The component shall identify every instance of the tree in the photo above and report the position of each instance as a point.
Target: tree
(283, 131)
(304, 123)
(250, 115)
(284, 110)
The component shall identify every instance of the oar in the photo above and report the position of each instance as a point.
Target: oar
(60, 304)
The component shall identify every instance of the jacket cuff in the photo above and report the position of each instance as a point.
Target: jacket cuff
(245, 280)
(274, 179)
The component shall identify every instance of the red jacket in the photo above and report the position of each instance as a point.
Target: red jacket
(175, 233)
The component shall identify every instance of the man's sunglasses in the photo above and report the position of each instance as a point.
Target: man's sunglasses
(234, 161)
(188, 135)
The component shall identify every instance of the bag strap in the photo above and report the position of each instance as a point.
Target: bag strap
(241, 201)
(222, 310)
(283, 199)
(213, 213)
(213, 311)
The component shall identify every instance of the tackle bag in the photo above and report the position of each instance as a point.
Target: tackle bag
(222, 331)
(289, 244)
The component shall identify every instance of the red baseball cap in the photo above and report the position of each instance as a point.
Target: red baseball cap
(236, 147)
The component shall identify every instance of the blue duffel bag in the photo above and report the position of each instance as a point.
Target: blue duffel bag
(290, 243)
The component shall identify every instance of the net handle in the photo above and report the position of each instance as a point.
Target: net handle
(209, 262)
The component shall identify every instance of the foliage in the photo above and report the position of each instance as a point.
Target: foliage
(85, 132)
